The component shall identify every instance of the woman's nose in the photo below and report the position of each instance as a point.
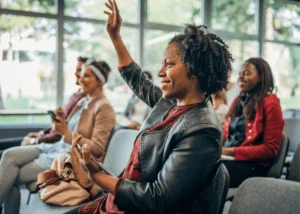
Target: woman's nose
(80, 80)
(162, 72)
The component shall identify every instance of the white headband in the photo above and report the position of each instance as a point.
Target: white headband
(96, 71)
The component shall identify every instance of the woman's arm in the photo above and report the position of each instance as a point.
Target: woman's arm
(113, 27)
(142, 86)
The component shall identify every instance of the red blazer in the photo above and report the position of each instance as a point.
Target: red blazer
(263, 134)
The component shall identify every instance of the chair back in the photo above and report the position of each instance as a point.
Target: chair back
(278, 162)
(266, 195)
(119, 150)
(292, 129)
(294, 171)
(212, 198)
(291, 113)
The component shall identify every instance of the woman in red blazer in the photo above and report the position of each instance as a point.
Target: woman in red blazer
(253, 126)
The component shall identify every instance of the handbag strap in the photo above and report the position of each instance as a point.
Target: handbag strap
(46, 178)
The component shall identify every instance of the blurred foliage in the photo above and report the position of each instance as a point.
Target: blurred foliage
(234, 16)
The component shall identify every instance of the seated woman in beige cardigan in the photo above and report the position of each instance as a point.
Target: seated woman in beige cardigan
(92, 117)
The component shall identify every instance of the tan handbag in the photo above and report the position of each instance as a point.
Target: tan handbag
(65, 184)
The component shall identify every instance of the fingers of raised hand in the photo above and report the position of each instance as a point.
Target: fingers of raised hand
(109, 6)
(75, 139)
(86, 153)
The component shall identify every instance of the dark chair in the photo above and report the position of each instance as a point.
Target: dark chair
(119, 150)
(266, 196)
(294, 170)
(117, 155)
(292, 129)
(276, 167)
(212, 196)
(291, 113)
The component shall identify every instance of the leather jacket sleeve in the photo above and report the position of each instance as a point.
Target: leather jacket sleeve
(141, 85)
(181, 177)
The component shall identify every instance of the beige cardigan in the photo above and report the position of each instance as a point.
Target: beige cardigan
(95, 125)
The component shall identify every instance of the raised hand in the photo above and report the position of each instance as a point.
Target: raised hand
(114, 20)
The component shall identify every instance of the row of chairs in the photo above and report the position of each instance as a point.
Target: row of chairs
(117, 155)
(269, 195)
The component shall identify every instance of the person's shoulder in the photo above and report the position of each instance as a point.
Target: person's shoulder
(203, 115)
(270, 101)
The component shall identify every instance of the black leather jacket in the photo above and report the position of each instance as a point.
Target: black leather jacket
(177, 163)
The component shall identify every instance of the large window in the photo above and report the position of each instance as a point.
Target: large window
(94, 9)
(42, 6)
(27, 73)
(91, 40)
(283, 21)
(27, 50)
(285, 64)
(155, 43)
(176, 12)
(234, 16)
(41, 39)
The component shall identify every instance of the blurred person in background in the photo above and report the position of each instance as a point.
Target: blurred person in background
(136, 111)
(93, 117)
(220, 105)
(254, 124)
(49, 135)
(232, 89)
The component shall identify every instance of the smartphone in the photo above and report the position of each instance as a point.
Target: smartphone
(100, 164)
(102, 167)
(52, 115)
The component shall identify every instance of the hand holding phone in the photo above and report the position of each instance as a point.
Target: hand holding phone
(52, 115)
(100, 164)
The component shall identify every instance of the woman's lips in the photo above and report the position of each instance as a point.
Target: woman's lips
(242, 83)
(164, 85)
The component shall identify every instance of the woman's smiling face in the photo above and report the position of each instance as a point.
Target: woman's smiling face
(175, 83)
(88, 81)
(248, 77)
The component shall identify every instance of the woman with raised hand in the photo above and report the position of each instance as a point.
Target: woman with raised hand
(254, 124)
(92, 117)
(178, 148)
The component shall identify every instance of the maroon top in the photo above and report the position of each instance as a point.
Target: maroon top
(132, 171)
(52, 136)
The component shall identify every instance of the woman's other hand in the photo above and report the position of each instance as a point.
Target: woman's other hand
(228, 151)
(29, 141)
(84, 156)
(61, 127)
(114, 20)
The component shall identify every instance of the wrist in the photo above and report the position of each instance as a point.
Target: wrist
(63, 133)
(115, 37)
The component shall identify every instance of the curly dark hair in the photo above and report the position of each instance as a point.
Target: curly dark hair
(207, 57)
(264, 87)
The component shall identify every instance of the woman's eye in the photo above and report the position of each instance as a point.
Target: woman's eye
(168, 64)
